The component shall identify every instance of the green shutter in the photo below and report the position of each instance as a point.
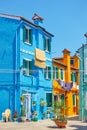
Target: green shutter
(49, 99)
(53, 72)
(49, 45)
(57, 73)
(30, 36)
(24, 64)
(72, 76)
(49, 72)
(30, 67)
(75, 77)
(73, 99)
(61, 74)
(44, 42)
(45, 72)
(24, 34)
(62, 97)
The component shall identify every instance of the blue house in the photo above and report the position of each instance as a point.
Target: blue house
(25, 65)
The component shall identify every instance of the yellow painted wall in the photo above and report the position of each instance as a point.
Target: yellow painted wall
(73, 110)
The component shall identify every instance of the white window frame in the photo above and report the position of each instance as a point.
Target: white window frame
(27, 41)
(60, 73)
(26, 70)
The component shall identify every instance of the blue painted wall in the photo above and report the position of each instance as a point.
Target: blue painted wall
(13, 50)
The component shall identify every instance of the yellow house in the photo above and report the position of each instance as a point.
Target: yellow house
(66, 81)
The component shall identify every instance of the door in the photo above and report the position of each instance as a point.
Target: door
(27, 105)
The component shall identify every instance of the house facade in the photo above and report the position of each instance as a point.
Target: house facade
(66, 81)
(25, 65)
(83, 82)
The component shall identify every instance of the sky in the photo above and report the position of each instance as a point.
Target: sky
(65, 19)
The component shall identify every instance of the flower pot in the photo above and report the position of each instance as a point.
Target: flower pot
(61, 124)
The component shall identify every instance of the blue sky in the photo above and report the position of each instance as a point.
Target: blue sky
(66, 19)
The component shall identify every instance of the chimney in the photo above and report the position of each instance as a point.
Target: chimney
(37, 20)
(66, 56)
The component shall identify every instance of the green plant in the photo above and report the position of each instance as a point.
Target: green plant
(57, 110)
(34, 103)
(23, 112)
(44, 114)
(22, 97)
(48, 111)
(42, 103)
(15, 114)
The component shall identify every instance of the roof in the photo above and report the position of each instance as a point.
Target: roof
(83, 45)
(59, 62)
(25, 20)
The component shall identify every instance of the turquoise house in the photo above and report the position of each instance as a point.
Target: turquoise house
(25, 66)
(83, 83)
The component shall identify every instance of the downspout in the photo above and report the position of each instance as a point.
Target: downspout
(16, 68)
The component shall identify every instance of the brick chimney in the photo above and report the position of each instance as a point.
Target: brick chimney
(37, 20)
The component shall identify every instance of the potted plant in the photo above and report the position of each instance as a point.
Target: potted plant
(34, 103)
(15, 115)
(42, 103)
(59, 117)
(35, 116)
(44, 115)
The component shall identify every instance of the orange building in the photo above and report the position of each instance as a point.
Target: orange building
(66, 81)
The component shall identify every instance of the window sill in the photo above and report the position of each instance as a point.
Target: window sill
(26, 75)
(47, 51)
(27, 43)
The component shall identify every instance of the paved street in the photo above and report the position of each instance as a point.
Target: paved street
(42, 125)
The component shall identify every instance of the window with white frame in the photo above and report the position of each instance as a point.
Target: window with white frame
(47, 72)
(27, 67)
(55, 72)
(62, 74)
(27, 35)
(47, 44)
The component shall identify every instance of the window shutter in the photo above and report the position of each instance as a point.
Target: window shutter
(53, 72)
(62, 74)
(45, 72)
(30, 36)
(72, 76)
(24, 34)
(24, 64)
(57, 73)
(30, 67)
(73, 99)
(49, 45)
(44, 42)
(49, 72)
(75, 77)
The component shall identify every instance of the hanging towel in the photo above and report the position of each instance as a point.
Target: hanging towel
(40, 59)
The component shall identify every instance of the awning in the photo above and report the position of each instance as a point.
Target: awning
(40, 59)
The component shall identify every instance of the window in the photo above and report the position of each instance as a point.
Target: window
(73, 77)
(47, 44)
(74, 100)
(27, 67)
(27, 35)
(49, 99)
(61, 74)
(71, 61)
(47, 72)
(55, 72)
(55, 98)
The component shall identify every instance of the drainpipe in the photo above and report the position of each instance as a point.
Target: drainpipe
(16, 68)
